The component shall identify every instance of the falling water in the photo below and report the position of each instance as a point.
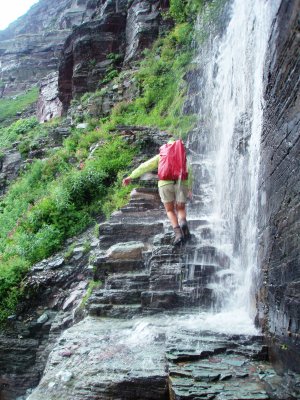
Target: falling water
(226, 146)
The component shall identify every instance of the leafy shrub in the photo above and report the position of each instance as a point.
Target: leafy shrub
(52, 201)
(16, 131)
(117, 197)
(11, 272)
(111, 73)
(183, 10)
(112, 70)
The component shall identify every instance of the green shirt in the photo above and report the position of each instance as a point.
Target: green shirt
(151, 165)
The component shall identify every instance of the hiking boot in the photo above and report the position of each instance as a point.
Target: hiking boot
(178, 236)
(185, 230)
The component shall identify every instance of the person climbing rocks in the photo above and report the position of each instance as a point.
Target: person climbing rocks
(174, 184)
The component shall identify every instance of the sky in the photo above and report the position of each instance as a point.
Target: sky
(10, 10)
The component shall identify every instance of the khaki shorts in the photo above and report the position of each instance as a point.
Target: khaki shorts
(173, 192)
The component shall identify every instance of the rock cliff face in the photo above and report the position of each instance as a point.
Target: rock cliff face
(102, 27)
(279, 194)
(30, 47)
(9, 168)
(85, 55)
(117, 37)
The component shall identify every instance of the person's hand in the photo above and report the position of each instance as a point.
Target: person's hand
(126, 181)
(190, 195)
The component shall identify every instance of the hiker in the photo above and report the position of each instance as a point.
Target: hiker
(174, 186)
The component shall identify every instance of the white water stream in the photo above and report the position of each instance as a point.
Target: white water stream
(228, 151)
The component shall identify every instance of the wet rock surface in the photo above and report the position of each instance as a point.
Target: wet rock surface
(134, 339)
(142, 329)
(218, 367)
(54, 291)
(279, 299)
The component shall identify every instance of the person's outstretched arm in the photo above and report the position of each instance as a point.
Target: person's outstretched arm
(147, 166)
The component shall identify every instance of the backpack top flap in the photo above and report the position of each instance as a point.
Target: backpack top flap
(172, 162)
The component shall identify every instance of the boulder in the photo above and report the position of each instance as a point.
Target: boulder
(126, 251)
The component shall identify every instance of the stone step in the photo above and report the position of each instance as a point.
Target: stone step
(200, 295)
(196, 223)
(204, 271)
(212, 255)
(165, 274)
(115, 311)
(116, 297)
(102, 270)
(227, 367)
(141, 216)
(139, 206)
(144, 203)
(111, 233)
(128, 281)
(156, 299)
(170, 299)
(205, 233)
(166, 282)
(166, 239)
(196, 282)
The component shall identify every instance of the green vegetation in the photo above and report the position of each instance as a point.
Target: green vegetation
(161, 81)
(27, 132)
(117, 197)
(11, 107)
(113, 69)
(52, 201)
(92, 285)
(185, 10)
(163, 88)
(16, 131)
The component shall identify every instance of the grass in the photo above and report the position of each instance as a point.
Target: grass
(11, 107)
(52, 201)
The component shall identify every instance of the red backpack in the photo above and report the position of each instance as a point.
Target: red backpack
(172, 162)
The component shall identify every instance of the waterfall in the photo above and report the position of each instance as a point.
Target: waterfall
(226, 145)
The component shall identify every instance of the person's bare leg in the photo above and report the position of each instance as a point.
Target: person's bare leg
(181, 212)
(170, 209)
(171, 213)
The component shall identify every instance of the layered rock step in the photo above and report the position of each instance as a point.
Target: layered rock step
(121, 258)
(174, 277)
(121, 296)
(111, 233)
(219, 367)
(183, 276)
(163, 357)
